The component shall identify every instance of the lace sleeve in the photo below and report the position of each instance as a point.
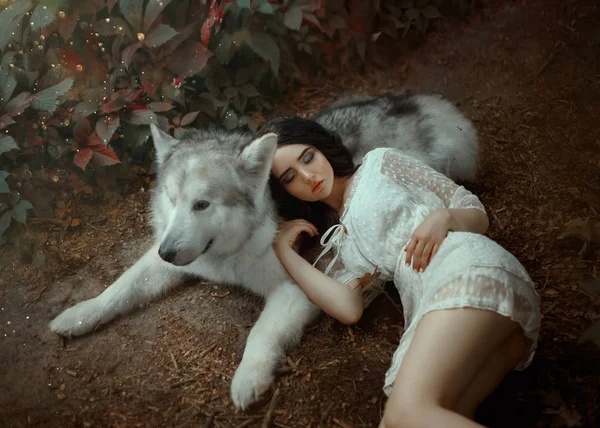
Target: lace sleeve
(405, 170)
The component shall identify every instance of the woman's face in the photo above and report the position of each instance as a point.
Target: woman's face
(303, 172)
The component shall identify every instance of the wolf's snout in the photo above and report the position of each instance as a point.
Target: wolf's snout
(167, 254)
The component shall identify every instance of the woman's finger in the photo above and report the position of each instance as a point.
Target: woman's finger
(410, 250)
(418, 255)
(426, 256)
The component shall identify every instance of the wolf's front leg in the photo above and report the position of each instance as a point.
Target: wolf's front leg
(280, 325)
(148, 278)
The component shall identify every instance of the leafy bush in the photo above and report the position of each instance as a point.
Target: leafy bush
(80, 80)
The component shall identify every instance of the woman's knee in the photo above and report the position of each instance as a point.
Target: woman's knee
(409, 412)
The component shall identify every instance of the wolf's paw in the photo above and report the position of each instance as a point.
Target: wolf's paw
(77, 320)
(250, 381)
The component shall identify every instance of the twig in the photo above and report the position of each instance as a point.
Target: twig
(245, 423)
(174, 362)
(544, 65)
(267, 420)
(210, 420)
(207, 350)
(341, 423)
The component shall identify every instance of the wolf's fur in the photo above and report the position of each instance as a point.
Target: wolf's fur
(230, 240)
(425, 126)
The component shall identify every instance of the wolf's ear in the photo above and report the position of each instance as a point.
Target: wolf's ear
(256, 158)
(163, 143)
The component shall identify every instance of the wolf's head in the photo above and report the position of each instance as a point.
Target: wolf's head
(211, 193)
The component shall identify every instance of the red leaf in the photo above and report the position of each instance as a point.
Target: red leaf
(131, 95)
(113, 105)
(68, 24)
(71, 59)
(105, 160)
(18, 104)
(106, 127)
(82, 130)
(189, 59)
(82, 157)
(151, 80)
(102, 154)
(189, 118)
(214, 20)
(160, 107)
(6, 120)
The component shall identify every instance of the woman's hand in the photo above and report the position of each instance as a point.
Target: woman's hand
(427, 238)
(290, 230)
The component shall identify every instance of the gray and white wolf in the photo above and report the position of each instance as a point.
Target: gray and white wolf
(214, 218)
(427, 127)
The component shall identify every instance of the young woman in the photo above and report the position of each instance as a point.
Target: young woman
(471, 310)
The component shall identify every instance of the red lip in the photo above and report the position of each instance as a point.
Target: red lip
(317, 186)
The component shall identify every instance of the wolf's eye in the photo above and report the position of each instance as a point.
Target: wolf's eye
(200, 205)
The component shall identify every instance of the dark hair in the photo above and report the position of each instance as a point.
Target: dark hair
(296, 130)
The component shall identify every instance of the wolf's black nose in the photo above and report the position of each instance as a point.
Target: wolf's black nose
(167, 255)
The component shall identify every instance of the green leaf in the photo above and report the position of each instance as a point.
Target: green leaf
(264, 7)
(128, 52)
(111, 27)
(153, 10)
(160, 35)
(5, 221)
(3, 185)
(243, 4)
(46, 99)
(249, 90)
(8, 83)
(265, 47)
(141, 117)
(244, 75)
(223, 49)
(132, 10)
(230, 120)
(230, 92)
(431, 12)
(412, 14)
(41, 17)
(21, 208)
(7, 143)
(6, 33)
(293, 18)
(160, 106)
(84, 108)
(14, 10)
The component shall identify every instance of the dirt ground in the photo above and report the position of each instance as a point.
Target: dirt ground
(528, 74)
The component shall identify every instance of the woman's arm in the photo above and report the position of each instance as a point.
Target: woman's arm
(468, 220)
(341, 301)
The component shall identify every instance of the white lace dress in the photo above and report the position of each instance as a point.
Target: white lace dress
(390, 196)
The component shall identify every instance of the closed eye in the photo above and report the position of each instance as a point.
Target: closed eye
(287, 178)
(308, 156)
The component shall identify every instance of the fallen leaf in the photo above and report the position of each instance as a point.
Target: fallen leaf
(592, 334)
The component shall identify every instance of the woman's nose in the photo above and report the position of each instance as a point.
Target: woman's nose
(306, 176)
